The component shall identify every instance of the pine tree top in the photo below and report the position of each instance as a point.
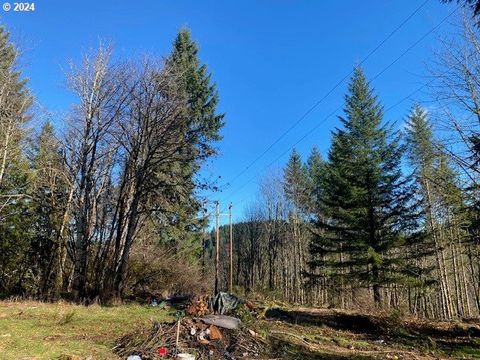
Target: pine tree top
(363, 113)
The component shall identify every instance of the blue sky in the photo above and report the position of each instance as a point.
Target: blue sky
(271, 60)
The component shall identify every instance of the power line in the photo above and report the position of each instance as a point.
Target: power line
(310, 110)
(343, 103)
(309, 133)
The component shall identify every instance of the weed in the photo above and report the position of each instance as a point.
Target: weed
(67, 318)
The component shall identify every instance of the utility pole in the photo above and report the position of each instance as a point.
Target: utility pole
(217, 246)
(204, 234)
(230, 282)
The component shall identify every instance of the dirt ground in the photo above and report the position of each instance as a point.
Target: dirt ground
(37, 331)
(305, 333)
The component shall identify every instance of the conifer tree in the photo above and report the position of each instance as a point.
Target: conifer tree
(15, 101)
(15, 226)
(441, 203)
(203, 129)
(315, 167)
(296, 192)
(365, 199)
(201, 92)
(50, 199)
(296, 182)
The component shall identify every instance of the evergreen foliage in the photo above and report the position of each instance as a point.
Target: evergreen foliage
(366, 202)
(15, 224)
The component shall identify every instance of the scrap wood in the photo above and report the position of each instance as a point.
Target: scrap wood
(215, 333)
(198, 306)
(204, 340)
(223, 321)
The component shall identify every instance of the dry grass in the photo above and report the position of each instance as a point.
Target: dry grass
(34, 330)
(341, 334)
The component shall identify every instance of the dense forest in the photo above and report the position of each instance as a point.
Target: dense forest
(390, 218)
(108, 204)
(116, 186)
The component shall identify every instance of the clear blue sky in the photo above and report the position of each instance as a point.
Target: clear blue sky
(272, 60)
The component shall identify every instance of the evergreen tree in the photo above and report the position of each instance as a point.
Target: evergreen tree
(296, 188)
(315, 166)
(201, 92)
(365, 198)
(203, 129)
(15, 101)
(441, 203)
(49, 195)
(296, 182)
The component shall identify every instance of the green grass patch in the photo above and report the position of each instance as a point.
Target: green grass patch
(48, 331)
(467, 352)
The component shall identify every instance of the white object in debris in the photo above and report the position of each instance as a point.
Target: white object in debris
(134, 357)
(223, 321)
(185, 356)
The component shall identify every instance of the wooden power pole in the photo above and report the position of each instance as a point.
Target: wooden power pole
(217, 246)
(204, 234)
(230, 282)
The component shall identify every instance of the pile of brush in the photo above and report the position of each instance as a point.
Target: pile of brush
(205, 341)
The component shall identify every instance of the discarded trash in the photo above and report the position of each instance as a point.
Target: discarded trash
(208, 340)
(162, 351)
(179, 315)
(223, 321)
(185, 356)
(134, 357)
(199, 306)
(202, 335)
(215, 334)
(223, 303)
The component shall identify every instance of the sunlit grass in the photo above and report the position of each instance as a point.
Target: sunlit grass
(47, 331)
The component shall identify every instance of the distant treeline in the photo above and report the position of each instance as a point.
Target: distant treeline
(391, 218)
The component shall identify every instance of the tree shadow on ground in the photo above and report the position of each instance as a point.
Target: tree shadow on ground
(284, 349)
(352, 322)
(447, 337)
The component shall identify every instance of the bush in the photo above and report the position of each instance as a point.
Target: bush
(155, 273)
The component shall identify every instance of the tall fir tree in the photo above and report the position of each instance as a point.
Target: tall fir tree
(49, 202)
(15, 225)
(15, 101)
(204, 124)
(296, 182)
(315, 168)
(365, 198)
(441, 203)
(296, 186)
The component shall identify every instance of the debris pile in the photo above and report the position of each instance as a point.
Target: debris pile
(212, 337)
(198, 306)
